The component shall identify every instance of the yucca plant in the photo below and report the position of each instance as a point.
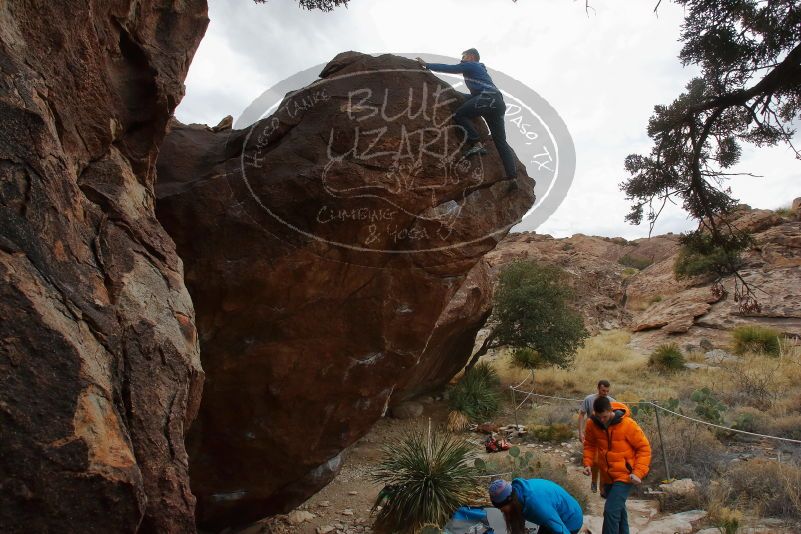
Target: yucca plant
(756, 339)
(667, 358)
(526, 358)
(477, 394)
(426, 477)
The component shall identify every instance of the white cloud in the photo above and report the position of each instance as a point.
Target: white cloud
(603, 73)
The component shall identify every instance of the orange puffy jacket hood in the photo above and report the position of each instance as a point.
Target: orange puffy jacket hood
(622, 447)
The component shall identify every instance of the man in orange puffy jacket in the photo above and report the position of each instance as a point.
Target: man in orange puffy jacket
(624, 456)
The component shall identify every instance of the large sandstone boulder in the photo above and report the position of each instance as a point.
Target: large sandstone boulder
(99, 367)
(322, 248)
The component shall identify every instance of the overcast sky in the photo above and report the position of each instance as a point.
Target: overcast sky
(603, 73)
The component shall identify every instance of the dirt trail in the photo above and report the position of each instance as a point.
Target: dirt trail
(343, 507)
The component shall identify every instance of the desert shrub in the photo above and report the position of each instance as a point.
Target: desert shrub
(707, 405)
(477, 394)
(749, 419)
(426, 478)
(757, 339)
(692, 450)
(773, 488)
(672, 502)
(728, 521)
(554, 432)
(756, 381)
(556, 414)
(485, 372)
(526, 358)
(629, 271)
(667, 358)
(635, 262)
(788, 426)
(550, 422)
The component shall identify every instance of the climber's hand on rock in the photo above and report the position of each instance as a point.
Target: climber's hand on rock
(421, 61)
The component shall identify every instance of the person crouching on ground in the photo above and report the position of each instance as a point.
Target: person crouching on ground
(624, 454)
(539, 501)
(485, 101)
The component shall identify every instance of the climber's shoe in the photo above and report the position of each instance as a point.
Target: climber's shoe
(476, 149)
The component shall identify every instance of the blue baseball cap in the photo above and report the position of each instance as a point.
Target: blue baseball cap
(500, 491)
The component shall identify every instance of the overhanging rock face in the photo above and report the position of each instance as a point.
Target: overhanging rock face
(322, 247)
(99, 365)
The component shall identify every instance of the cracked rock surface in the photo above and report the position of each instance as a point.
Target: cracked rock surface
(99, 367)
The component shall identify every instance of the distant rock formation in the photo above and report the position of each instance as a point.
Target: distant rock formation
(599, 268)
(99, 367)
(322, 248)
(649, 301)
(663, 307)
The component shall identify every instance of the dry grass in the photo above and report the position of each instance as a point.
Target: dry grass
(607, 356)
(766, 487)
(457, 421)
(692, 450)
(761, 393)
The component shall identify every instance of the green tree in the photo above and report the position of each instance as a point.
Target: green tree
(749, 91)
(531, 310)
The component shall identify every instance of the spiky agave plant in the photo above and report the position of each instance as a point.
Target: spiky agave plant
(477, 393)
(426, 477)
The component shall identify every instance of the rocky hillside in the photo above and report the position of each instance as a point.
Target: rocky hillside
(323, 248)
(99, 365)
(663, 307)
(630, 284)
(600, 268)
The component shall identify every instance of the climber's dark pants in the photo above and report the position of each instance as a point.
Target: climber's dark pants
(490, 105)
(616, 520)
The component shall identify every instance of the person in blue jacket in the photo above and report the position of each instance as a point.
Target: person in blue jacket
(485, 101)
(539, 501)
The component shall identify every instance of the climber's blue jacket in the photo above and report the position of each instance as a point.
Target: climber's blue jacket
(476, 77)
(547, 504)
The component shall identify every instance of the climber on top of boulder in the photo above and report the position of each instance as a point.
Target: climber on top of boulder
(485, 101)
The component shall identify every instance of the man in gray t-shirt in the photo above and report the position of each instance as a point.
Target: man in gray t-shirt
(585, 411)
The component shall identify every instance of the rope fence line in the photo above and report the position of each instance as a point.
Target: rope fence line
(529, 377)
(727, 428)
(655, 405)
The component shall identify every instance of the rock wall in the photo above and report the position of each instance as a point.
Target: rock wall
(666, 309)
(99, 367)
(650, 302)
(322, 247)
(596, 266)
